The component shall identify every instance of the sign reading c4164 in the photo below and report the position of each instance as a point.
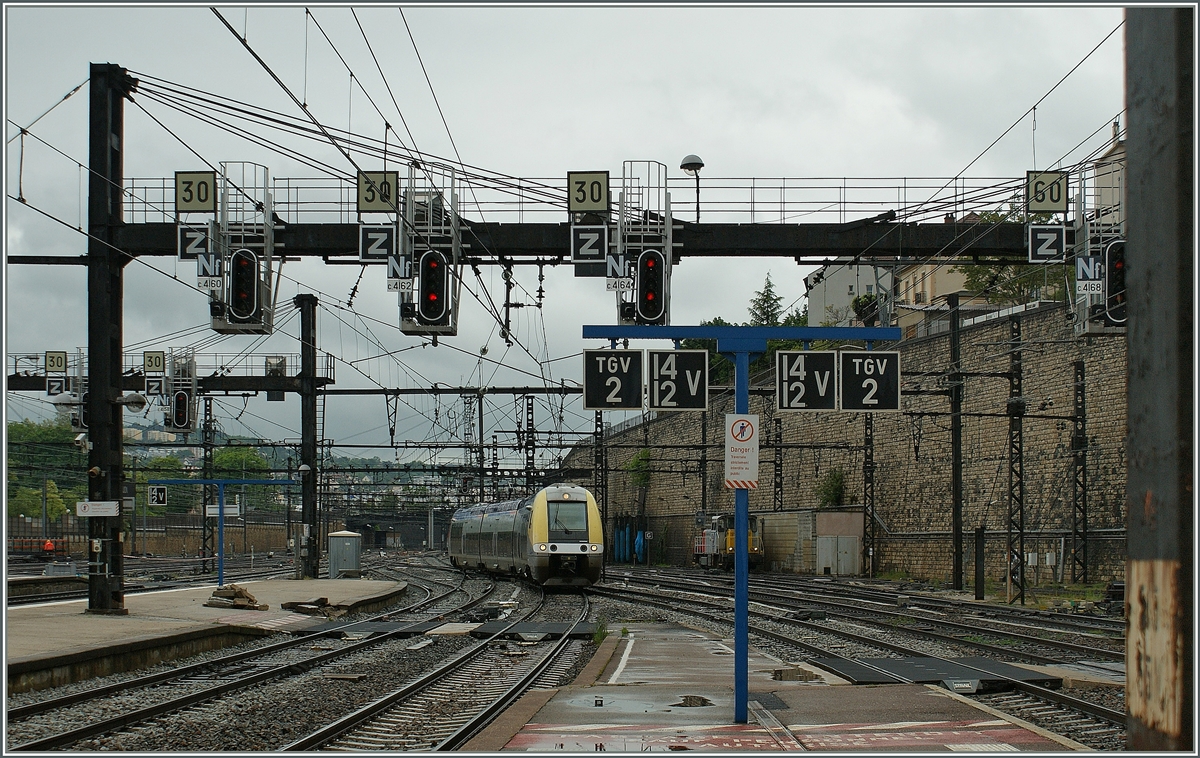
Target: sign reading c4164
(587, 191)
(612, 380)
(377, 191)
(195, 191)
(869, 381)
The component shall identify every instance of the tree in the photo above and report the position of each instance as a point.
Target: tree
(720, 368)
(765, 308)
(1016, 283)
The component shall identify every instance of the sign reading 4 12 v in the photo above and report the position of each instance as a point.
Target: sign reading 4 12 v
(870, 380)
(805, 380)
(678, 380)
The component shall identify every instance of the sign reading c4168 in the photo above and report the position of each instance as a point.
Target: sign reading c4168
(195, 191)
(587, 191)
(377, 191)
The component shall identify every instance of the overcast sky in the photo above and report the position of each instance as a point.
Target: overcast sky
(528, 92)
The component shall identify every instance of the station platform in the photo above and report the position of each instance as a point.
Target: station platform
(55, 643)
(670, 687)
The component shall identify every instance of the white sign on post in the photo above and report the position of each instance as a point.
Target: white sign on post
(741, 451)
(97, 508)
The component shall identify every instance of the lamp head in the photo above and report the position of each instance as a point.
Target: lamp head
(691, 165)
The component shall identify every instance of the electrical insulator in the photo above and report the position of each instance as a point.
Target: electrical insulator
(651, 287)
(433, 302)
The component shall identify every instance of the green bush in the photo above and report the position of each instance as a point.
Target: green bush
(831, 489)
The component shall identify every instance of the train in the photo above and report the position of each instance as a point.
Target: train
(714, 546)
(554, 537)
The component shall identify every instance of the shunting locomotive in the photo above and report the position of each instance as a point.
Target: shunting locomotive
(554, 537)
(714, 546)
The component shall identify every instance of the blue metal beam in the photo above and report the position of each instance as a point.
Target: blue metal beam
(221, 483)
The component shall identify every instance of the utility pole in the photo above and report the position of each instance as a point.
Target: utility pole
(1160, 574)
(110, 85)
(956, 462)
(309, 546)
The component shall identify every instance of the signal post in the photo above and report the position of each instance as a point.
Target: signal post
(738, 343)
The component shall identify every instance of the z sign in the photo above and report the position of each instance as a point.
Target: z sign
(376, 242)
(1047, 243)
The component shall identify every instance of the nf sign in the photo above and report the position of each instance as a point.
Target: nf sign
(1089, 276)
(805, 380)
(741, 451)
(612, 380)
(870, 381)
(678, 380)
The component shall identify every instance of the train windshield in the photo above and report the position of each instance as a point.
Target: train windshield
(568, 521)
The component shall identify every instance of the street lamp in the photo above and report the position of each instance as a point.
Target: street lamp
(691, 165)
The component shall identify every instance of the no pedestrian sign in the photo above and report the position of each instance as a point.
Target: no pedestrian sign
(741, 451)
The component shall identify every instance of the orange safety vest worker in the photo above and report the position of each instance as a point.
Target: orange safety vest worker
(48, 546)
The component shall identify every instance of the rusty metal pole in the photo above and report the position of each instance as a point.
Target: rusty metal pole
(1159, 490)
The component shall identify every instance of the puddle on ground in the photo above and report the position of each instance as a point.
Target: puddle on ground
(693, 701)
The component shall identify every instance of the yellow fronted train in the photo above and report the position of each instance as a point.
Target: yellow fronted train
(554, 537)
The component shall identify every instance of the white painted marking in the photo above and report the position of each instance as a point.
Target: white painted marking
(624, 659)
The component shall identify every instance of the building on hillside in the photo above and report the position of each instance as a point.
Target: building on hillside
(831, 289)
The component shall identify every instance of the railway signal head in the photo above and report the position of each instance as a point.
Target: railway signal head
(433, 301)
(181, 409)
(243, 287)
(1114, 282)
(651, 287)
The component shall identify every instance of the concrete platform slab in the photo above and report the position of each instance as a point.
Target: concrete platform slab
(668, 687)
(55, 643)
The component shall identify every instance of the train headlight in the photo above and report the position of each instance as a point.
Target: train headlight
(541, 548)
(595, 548)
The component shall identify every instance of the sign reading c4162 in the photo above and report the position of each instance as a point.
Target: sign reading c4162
(377, 191)
(195, 191)
(587, 191)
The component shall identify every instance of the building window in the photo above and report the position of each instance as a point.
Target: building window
(851, 290)
(869, 288)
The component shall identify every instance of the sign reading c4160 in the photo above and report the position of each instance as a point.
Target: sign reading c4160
(612, 380)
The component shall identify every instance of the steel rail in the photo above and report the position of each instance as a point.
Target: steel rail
(351, 721)
(126, 720)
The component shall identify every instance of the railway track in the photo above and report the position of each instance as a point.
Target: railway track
(445, 708)
(56, 722)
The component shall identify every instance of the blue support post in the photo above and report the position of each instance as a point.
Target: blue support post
(741, 558)
(740, 342)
